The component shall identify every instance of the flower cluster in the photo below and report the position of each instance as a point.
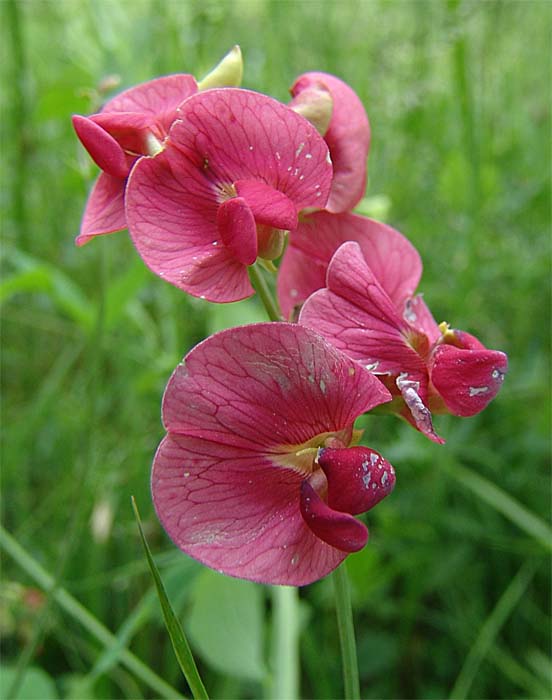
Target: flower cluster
(261, 473)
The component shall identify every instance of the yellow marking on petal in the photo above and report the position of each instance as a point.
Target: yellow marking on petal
(448, 333)
(226, 189)
(153, 145)
(303, 458)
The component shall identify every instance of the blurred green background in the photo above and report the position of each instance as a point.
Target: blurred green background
(452, 593)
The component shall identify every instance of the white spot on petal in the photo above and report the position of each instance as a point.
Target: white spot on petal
(475, 390)
(409, 313)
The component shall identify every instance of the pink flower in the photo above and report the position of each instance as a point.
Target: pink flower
(394, 260)
(428, 367)
(347, 136)
(255, 477)
(132, 124)
(236, 170)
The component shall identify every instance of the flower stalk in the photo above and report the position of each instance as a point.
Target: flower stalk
(285, 683)
(346, 630)
(263, 290)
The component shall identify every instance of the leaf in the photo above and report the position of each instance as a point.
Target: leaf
(178, 639)
(123, 290)
(35, 275)
(226, 624)
(36, 684)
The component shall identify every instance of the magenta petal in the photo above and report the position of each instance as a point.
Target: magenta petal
(393, 260)
(355, 314)
(268, 384)
(417, 314)
(171, 211)
(217, 277)
(358, 478)
(340, 530)
(298, 278)
(468, 341)
(237, 229)
(269, 206)
(236, 134)
(232, 510)
(102, 147)
(467, 380)
(222, 136)
(130, 129)
(105, 209)
(159, 98)
(348, 138)
(242, 402)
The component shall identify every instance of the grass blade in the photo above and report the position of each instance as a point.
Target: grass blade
(491, 627)
(176, 633)
(78, 612)
(504, 503)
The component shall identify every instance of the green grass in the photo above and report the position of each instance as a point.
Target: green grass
(452, 594)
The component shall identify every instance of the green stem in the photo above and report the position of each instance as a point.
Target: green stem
(286, 643)
(346, 633)
(78, 612)
(263, 290)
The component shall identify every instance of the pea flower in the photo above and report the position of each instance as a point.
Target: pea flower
(234, 173)
(256, 476)
(335, 108)
(428, 367)
(393, 259)
(133, 124)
